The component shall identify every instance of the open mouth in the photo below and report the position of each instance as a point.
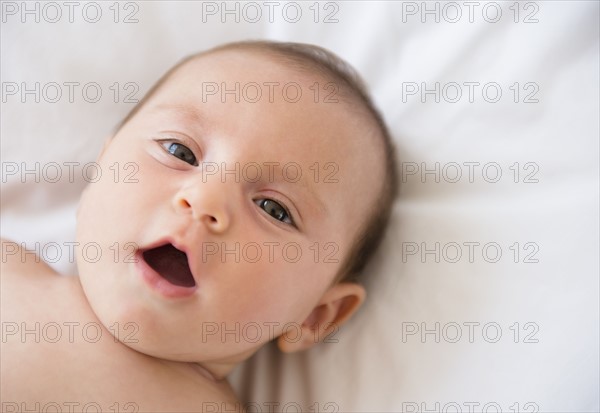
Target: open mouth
(171, 264)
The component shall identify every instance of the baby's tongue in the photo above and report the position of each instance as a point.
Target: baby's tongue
(171, 264)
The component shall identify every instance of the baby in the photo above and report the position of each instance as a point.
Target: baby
(261, 178)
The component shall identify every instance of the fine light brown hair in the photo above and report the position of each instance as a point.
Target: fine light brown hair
(311, 58)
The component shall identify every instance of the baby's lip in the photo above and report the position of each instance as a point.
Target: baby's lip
(181, 247)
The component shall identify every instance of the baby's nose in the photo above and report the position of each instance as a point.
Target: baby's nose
(206, 202)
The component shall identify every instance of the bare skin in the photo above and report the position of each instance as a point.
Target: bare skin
(91, 368)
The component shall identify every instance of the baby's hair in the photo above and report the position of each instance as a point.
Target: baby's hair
(307, 57)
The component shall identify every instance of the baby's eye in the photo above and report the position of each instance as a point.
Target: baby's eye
(180, 151)
(276, 210)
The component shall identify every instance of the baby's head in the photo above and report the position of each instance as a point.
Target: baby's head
(267, 164)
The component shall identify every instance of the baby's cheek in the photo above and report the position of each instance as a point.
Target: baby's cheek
(292, 288)
(97, 211)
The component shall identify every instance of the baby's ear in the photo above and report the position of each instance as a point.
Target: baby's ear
(336, 306)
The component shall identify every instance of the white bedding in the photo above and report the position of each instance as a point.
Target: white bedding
(378, 364)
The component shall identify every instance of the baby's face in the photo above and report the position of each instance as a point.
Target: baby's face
(262, 248)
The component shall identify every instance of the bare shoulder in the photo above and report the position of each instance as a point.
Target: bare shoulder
(24, 278)
(18, 261)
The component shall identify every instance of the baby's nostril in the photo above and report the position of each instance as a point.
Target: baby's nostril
(213, 220)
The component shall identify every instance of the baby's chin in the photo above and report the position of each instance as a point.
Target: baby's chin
(143, 326)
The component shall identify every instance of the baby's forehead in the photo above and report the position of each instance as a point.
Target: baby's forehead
(269, 70)
(275, 91)
(297, 92)
(271, 105)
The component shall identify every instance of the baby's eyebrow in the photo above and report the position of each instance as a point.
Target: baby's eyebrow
(189, 113)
